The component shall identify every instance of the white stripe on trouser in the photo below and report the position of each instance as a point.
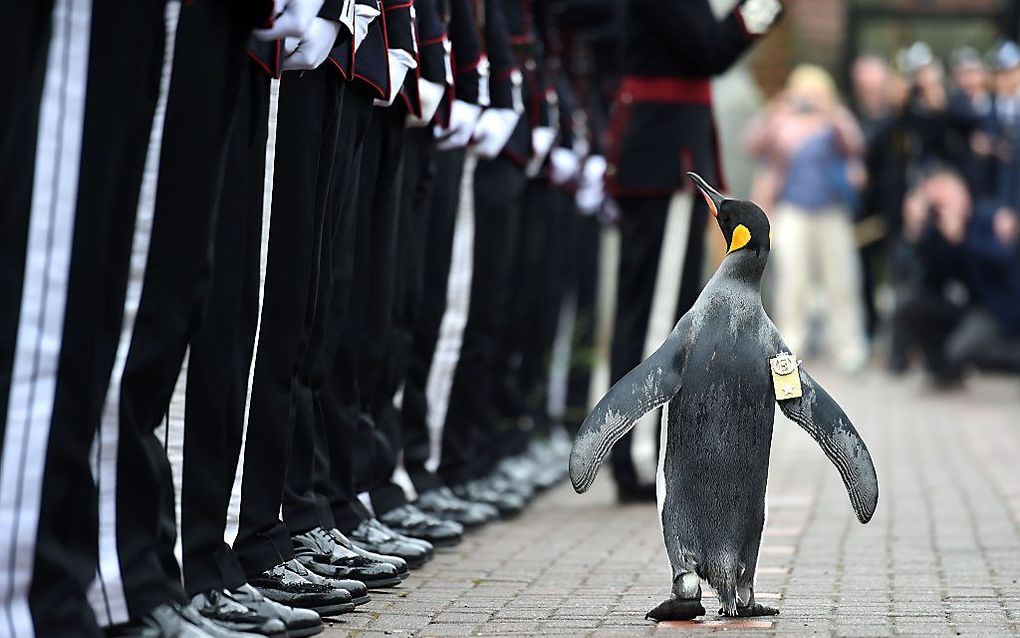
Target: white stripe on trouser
(605, 312)
(234, 508)
(43, 304)
(173, 445)
(661, 319)
(558, 386)
(458, 305)
(106, 595)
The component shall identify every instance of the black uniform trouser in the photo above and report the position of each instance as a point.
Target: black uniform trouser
(307, 131)
(370, 330)
(438, 237)
(209, 57)
(583, 269)
(498, 187)
(540, 278)
(305, 506)
(642, 225)
(220, 354)
(75, 122)
(412, 235)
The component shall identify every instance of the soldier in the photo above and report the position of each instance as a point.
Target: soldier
(662, 127)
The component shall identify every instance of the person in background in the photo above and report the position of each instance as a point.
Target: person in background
(964, 312)
(811, 147)
(969, 103)
(870, 77)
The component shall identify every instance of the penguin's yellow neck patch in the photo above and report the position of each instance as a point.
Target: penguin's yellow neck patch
(741, 235)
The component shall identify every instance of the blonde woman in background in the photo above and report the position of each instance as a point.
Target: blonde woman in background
(810, 147)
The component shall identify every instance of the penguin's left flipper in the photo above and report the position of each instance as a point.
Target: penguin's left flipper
(829, 426)
(652, 383)
(755, 609)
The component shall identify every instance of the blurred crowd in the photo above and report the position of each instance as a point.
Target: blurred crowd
(909, 194)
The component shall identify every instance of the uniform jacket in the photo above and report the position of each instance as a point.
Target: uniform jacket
(466, 55)
(662, 123)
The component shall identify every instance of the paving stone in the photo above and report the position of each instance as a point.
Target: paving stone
(940, 558)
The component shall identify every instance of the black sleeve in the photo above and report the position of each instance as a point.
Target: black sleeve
(467, 50)
(706, 46)
(400, 25)
(502, 64)
(431, 38)
(331, 10)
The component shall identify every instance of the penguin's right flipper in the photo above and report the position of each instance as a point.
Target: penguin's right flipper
(829, 426)
(652, 383)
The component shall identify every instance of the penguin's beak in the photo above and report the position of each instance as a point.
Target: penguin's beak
(711, 195)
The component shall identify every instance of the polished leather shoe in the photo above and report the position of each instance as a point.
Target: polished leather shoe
(508, 504)
(375, 538)
(441, 502)
(429, 548)
(219, 608)
(411, 521)
(357, 589)
(300, 623)
(288, 587)
(396, 561)
(170, 620)
(499, 482)
(318, 552)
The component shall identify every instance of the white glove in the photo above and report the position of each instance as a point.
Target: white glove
(400, 63)
(493, 131)
(542, 138)
(293, 17)
(364, 15)
(312, 49)
(758, 15)
(463, 117)
(591, 191)
(564, 165)
(431, 95)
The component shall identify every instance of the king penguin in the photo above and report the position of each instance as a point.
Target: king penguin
(717, 372)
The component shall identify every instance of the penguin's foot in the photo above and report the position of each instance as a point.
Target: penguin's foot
(676, 609)
(754, 609)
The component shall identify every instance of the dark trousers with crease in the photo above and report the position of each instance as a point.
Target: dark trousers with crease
(220, 354)
(48, 538)
(438, 237)
(305, 502)
(307, 132)
(412, 235)
(642, 224)
(471, 420)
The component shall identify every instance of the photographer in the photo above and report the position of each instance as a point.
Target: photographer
(963, 310)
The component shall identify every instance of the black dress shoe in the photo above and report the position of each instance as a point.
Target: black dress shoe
(219, 608)
(441, 502)
(373, 538)
(170, 620)
(411, 521)
(287, 587)
(428, 547)
(396, 561)
(500, 482)
(300, 623)
(356, 588)
(317, 551)
(508, 504)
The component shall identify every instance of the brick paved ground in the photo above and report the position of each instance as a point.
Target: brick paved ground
(941, 557)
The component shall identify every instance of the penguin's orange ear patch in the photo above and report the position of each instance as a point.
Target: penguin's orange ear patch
(741, 235)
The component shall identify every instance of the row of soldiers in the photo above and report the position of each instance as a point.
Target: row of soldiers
(280, 284)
